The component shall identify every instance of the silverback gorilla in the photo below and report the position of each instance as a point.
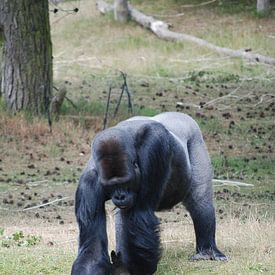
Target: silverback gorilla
(144, 165)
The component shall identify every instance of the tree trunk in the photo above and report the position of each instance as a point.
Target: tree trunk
(263, 6)
(1, 45)
(27, 55)
(121, 10)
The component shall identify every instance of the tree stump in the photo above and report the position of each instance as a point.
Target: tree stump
(56, 103)
(121, 11)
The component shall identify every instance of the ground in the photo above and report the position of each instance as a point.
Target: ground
(232, 100)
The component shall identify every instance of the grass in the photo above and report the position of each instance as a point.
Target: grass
(248, 244)
(245, 217)
(37, 166)
(136, 51)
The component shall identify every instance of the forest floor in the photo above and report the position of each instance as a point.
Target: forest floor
(232, 100)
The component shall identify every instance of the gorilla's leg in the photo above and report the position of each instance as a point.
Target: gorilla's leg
(200, 201)
(203, 216)
(137, 239)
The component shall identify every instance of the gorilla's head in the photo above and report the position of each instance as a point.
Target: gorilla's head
(117, 168)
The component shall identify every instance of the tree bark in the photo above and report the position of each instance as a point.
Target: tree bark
(263, 6)
(121, 10)
(161, 29)
(27, 55)
(1, 45)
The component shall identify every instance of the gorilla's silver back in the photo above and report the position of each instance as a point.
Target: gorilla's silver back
(187, 132)
(181, 125)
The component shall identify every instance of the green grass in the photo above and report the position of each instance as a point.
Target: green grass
(84, 108)
(40, 260)
(256, 170)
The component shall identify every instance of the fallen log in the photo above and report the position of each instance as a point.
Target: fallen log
(161, 30)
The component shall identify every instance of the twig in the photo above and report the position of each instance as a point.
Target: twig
(233, 183)
(124, 87)
(44, 204)
(107, 108)
(36, 206)
(72, 103)
(181, 104)
(36, 183)
(231, 94)
(198, 5)
(262, 99)
(119, 101)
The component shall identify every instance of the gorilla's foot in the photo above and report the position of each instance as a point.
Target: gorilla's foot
(209, 254)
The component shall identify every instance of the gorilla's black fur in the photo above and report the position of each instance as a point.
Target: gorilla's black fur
(143, 164)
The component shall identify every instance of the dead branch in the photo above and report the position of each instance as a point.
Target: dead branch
(36, 206)
(231, 94)
(262, 99)
(70, 101)
(107, 108)
(125, 87)
(198, 5)
(182, 105)
(36, 183)
(44, 204)
(161, 30)
(232, 183)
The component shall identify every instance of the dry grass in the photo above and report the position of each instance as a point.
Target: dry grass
(249, 245)
(19, 127)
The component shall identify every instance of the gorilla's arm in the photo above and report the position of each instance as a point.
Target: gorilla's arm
(137, 229)
(90, 213)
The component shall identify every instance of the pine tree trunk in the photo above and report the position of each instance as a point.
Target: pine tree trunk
(27, 55)
(263, 6)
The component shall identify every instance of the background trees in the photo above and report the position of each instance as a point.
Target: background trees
(263, 6)
(27, 55)
(26, 75)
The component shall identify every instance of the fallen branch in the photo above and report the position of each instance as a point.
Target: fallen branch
(182, 105)
(36, 206)
(36, 183)
(161, 30)
(262, 99)
(232, 183)
(198, 5)
(44, 204)
(231, 94)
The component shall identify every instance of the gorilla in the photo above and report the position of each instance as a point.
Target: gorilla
(143, 164)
